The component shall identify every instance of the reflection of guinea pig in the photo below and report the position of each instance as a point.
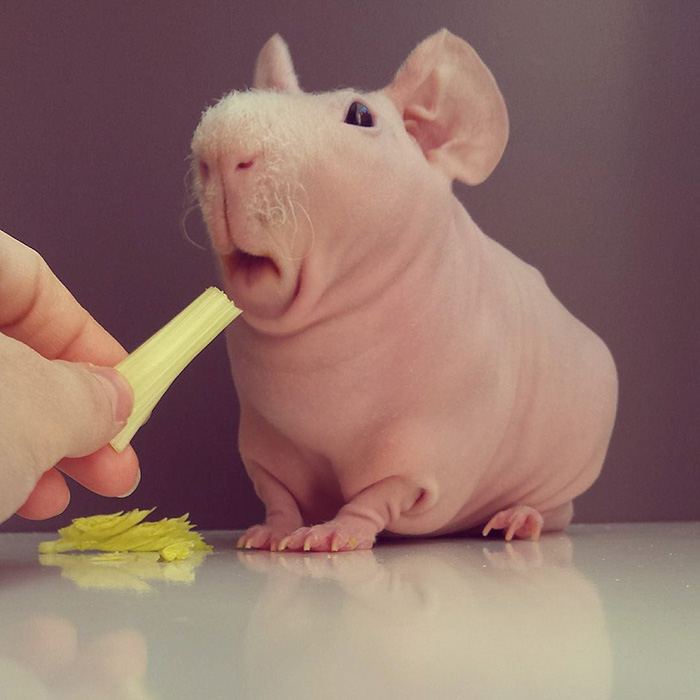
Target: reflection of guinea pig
(396, 368)
(439, 621)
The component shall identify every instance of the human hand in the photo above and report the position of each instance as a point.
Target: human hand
(57, 409)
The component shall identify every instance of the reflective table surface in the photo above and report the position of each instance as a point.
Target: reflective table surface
(603, 611)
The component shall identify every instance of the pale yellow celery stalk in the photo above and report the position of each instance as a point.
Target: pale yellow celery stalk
(153, 366)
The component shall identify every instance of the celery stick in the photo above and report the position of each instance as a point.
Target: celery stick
(154, 365)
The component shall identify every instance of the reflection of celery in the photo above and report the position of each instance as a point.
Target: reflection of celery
(153, 366)
(172, 538)
(126, 571)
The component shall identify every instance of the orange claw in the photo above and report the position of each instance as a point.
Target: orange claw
(521, 521)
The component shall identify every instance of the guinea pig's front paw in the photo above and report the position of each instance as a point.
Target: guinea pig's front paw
(262, 537)
(339, 535)
(521, 521)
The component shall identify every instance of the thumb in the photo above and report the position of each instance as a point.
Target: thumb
(95, 404)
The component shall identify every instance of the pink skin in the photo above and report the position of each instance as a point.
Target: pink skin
(56, 415)
(397, 369)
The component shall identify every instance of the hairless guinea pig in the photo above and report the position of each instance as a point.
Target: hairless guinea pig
(397, 369)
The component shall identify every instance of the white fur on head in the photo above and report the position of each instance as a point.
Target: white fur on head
(274, 69)
(242, 124)
(452, 106)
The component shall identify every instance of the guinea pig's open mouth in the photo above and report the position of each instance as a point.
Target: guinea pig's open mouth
(252, 266)
(260, 285)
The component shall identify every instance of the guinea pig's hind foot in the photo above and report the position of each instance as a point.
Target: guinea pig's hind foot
(520, 521)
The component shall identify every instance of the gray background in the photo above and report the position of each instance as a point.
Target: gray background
(598, 189)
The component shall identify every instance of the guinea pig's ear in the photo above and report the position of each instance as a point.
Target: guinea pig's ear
(452, 106)
(274, 69)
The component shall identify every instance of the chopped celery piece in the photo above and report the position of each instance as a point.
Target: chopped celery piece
(172, 538)
(153, 366)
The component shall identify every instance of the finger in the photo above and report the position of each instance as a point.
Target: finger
(38, 310)
(83, 407)
(104, 471)
(119, 659)
(46, 643)
(49, 497)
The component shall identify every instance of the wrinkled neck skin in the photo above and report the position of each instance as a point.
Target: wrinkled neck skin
(380, 300)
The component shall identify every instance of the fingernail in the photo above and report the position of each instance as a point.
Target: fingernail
(118, 390)
(135, 486)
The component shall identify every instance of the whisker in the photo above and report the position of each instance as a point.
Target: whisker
(183, 227)
(311, 227)
(190, 204)
(302, 190)
(296, 223)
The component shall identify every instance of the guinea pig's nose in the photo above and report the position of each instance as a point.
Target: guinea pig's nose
(235, 163)
(204, 169)
(222, 164)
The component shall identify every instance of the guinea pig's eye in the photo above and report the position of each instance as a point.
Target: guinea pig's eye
(359, 115)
